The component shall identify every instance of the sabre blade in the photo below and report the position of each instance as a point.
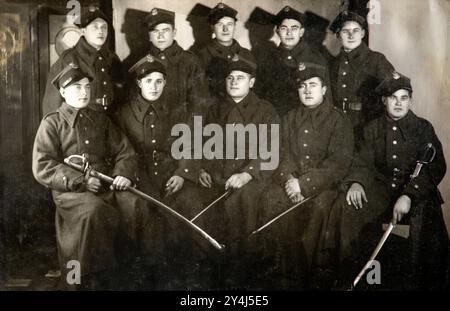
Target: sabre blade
(210, 205)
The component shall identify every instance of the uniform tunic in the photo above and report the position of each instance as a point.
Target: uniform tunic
(215, 58)
(354, 77)
(103, 66)
(86, 223)
(383, 167)
(276, 76)
(186, 84)
(317, 148)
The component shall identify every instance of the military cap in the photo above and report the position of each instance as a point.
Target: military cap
(219, 11)
(90, 14)
(146, 65)
(307, 71)
(346, 16)
(158, 16)
(289, 13)
(69, 75)
(393, 83)
(242, 64)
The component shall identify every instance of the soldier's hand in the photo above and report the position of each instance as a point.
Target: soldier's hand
(401, 208)
(174, 184)
(120, 183)
(293, 191)
(93, 184)
(356, 195)
(205, 179)
(237, 181)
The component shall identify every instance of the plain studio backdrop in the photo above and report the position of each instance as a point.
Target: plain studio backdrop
(413, 34)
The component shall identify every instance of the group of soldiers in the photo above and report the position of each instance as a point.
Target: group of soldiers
(348, 145)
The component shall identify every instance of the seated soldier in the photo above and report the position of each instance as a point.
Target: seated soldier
(147, 119)
(234, 216)
(380, 189)
(317, 148)
(86, 220)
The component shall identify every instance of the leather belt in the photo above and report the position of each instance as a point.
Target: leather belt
(351, 106)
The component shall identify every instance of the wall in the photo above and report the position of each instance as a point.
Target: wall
(415, 36)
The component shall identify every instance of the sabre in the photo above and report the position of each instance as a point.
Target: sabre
(91, 172)
(281, 215)
(211, 205)
(375, 253)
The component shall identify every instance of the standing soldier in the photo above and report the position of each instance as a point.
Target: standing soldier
(356, 72)
(86, 220)
(243, 176)
(216, 55)
(147, 119)
(276, 75)
(317, 150)
(92, 56)
(187, 85)
(380, 188)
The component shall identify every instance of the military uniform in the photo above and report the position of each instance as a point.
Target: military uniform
(383, 167)
(276, 75)
(187, 86)
(317, 148)
(86, 223)
(103, 65)
(354, 77)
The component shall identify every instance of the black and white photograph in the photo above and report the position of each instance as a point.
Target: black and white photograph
(203, 146)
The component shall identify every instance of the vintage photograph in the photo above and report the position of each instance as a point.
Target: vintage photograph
(203, 145)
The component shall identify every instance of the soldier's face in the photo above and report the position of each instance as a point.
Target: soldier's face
(398, 104)
(152, 86)
(351, 35)
(162, 36)
(239, 84)
(96, 33)
(78, 94)
(312, 92)
(290, 32)
(224, 30)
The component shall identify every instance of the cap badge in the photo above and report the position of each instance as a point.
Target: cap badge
(287, 9)
(220, 6)
(154, 12)
(150, 58)
(395, 75)
(301, 66)
(92, 9)
(235, 58)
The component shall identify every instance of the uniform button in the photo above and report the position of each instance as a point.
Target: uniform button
(307, 157)
(155, 164)
(394, 128)
(416, 186)
(314, 188)
(394, 142)
(289, 57)
(306, 131)
(64, 178)
(163, 57)
(104, 95)
(152, 125)
(305, 145)
(186, 170)
(85, 128)
(86, 142)
(346, 62)
(153, 141)
(151, 112)
(394, 157)
(228, 56)
(103, 69)
(281, 174)
(344, 73)
(100, 58)
(237, 158)
(105, 108)
(344, 85)
(81, 115)
(345, 99)
(104, 83)
(251, 167)
(156, 173)
(308, 179)
(393, 185)
(137, 179)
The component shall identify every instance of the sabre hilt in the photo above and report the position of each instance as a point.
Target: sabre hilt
(427, 157)
(86, 168)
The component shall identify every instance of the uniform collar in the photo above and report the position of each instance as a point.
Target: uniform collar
(408, 125)
(170, 52)
(356, 53)
(246, 108)
(299, 49)
(217, 49)
(141, 106)
(89, 52)
(71, 114)
(316, 115)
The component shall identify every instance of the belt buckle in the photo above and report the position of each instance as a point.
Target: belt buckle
(155, 156)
